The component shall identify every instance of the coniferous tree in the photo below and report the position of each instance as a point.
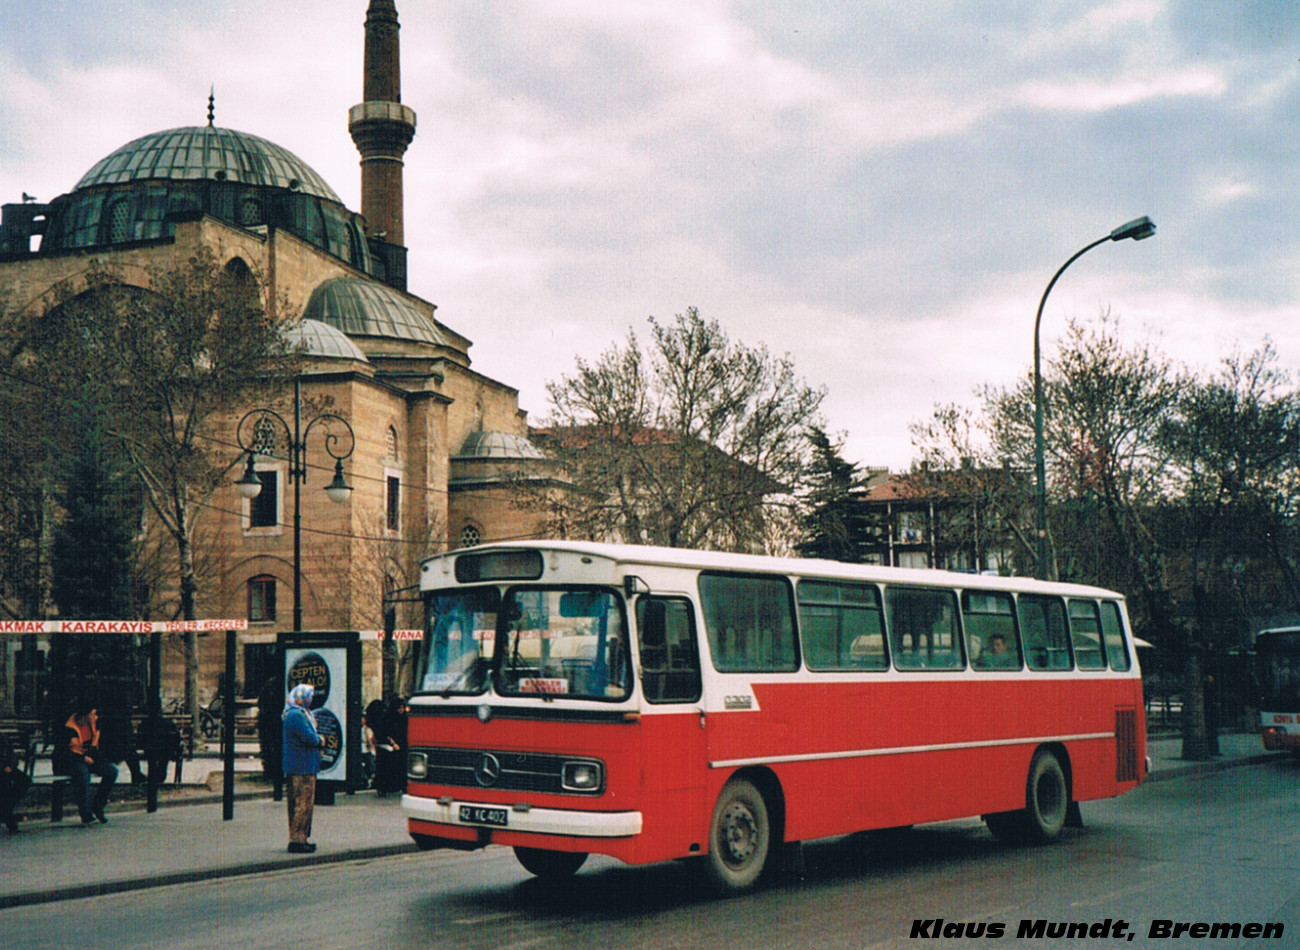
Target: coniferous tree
(835, 524)
(93, 560)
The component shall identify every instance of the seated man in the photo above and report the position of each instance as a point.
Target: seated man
(81, 758)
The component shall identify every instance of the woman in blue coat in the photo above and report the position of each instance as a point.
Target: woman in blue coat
(300, 758)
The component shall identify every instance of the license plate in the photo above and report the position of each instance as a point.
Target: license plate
(475, 815)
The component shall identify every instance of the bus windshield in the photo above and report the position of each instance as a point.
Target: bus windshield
(459, 628)
(569, 643)
(1278, 671)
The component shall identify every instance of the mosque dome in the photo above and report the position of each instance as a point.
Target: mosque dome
(362, 307)
(311, 338)
(497, 446)
(206, 152)
(139, 191)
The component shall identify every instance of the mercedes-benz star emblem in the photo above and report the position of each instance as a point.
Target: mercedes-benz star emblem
(488, 770)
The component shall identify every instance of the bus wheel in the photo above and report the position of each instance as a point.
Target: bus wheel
(1007, 825)
(740, 838)
(550, 864)
(1047, 798)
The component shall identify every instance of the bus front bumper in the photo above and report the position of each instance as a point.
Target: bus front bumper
(522, 818)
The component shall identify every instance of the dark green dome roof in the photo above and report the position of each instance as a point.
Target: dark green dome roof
(207, 152)
(361, 307)
(140, 191)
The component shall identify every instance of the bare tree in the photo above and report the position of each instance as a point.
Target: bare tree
(170, 359)
(697, 442)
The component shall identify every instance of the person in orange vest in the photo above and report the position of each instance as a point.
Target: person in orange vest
(82, 759)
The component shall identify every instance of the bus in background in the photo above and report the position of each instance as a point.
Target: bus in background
(654, 704)
(1277, 678)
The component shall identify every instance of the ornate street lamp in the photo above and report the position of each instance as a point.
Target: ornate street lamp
(1138, 229)
(259, 437)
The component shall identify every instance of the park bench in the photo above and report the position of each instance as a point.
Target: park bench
(28, 737)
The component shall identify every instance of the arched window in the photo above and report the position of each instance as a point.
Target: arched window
(261, 599)
(392, 443)
(470, 536)
(239, 270)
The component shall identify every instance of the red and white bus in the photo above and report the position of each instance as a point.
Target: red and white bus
(1277, 678)
(654, 703)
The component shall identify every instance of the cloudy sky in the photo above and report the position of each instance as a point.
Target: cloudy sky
(880, 189)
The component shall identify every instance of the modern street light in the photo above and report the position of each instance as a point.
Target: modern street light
(260, 440)
(1138, 229)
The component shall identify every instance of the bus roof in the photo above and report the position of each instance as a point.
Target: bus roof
(722, 561)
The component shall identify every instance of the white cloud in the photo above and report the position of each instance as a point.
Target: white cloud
(880, 189)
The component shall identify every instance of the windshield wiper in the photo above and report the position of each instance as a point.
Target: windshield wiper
(450, 687)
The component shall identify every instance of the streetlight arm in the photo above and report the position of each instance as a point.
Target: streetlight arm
(1138, 229)
(1038, 320)
(332, 438)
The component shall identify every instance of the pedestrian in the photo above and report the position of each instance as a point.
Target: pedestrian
(117, 739)
(160, 741)
(301, 745)
(13, 783)
(269, 735)
(367, 749)
(388, 752)
(81, 758)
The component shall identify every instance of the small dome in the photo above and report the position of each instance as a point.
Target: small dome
(497, 445)
(207, 152)
(315, 339)
(366, 308)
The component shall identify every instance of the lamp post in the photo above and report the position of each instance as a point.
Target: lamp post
(1138, 229)
(259, 439)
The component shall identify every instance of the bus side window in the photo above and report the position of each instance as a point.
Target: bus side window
(1112, 634)
(841, 626)
(1085, 634)
(670, 655)
(990, 620)
(1043, 626)
(750, 622)
(923, 631)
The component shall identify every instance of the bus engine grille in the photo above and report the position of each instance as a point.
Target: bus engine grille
(512, 771)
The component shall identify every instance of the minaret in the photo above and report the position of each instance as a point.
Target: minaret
(382, 128)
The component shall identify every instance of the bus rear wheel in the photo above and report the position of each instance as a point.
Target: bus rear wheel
(550, 865)
(1047, 797)
(740, 838)
(1047, 804)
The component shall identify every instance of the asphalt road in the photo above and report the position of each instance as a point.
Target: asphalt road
(1219, 847)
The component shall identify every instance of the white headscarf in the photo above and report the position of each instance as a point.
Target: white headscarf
(300, 696)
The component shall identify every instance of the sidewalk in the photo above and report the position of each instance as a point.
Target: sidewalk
(187, 840)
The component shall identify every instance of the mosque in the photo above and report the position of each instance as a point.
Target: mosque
(438, 446)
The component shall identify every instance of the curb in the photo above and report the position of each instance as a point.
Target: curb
(199, 874)
(1194, 768)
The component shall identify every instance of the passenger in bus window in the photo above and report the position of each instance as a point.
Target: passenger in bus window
(996, 655)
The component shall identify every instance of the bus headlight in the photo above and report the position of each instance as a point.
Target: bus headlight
(582, 776)
(417, 765)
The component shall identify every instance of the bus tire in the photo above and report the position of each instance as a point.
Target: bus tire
(1007, 826)
(740, 838)
(550, 865)
(1047, 798)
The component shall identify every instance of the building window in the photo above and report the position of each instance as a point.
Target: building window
(470, 536)
(119, 222)
(264, 510)
(394, 503)
(261, 599)
(392, 443)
